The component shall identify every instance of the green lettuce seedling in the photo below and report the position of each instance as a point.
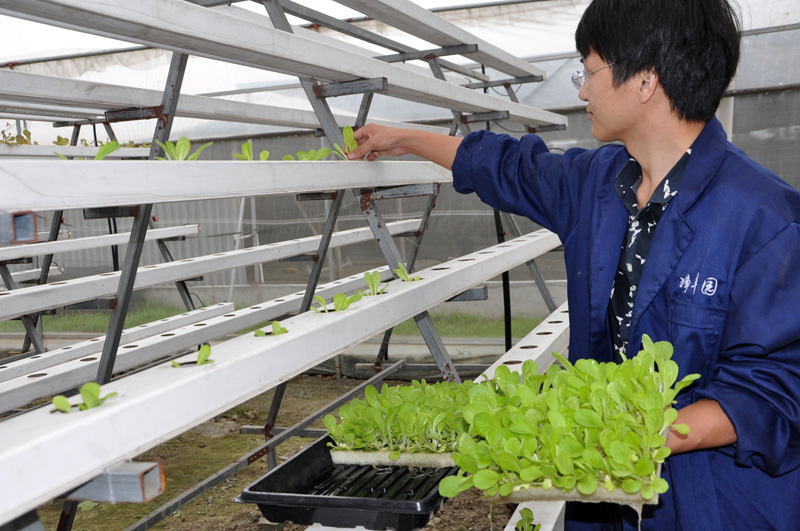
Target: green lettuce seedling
(402, 274)
(180, 150)
(525, 522)
(20, 140)
(247, 152)
(90, 392)
(105, 150)
(340, 302)
(373, 281)
(350, 144)
(202, 357)
(277, 330)
(310, 155)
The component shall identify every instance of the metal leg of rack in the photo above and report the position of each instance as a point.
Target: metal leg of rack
(27, 320)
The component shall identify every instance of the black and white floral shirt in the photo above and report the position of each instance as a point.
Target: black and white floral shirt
(641, 227)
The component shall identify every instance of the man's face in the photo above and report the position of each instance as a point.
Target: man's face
(611, 109)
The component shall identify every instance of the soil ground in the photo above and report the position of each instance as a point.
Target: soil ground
(199, 453)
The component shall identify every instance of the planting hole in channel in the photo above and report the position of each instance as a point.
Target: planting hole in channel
(530, 346)
(37, 375)
(88, 359)
(511, 362)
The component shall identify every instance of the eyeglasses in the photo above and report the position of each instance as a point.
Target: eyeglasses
(581, 77)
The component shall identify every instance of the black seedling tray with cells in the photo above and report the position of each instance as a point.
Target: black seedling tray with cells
(309, 489)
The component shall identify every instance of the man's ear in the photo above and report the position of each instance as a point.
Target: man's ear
(648, 82)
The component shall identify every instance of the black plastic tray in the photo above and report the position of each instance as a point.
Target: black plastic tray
(309, 489)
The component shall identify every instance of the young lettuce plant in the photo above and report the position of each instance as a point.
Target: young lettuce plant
(310, 155)
(180, 150)
(373, 281)
(525, 522)
(90, 392)
(340, 302)
(105, 150)
(247, 152)
(350, 144)
(202, 357)
(402, 274)
(277, 330)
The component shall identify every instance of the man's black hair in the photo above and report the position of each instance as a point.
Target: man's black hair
(693, 46)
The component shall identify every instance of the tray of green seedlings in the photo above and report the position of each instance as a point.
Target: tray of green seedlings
(589, 432)
(406, 425)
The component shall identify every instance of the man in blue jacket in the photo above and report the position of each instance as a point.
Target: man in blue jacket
(710, 261)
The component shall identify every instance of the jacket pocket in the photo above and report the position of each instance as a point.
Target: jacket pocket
(695, 333)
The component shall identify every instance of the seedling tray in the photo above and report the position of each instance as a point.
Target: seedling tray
(309, 489)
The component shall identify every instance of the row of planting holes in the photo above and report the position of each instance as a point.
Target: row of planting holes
(515, 362)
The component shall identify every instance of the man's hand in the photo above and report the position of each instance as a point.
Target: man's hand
(376, 141)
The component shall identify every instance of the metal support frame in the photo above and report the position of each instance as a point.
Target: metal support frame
(29, 322)
(55, 225)
(140, 225)
(458, 116)
(374, 219)
(352, 30)
(427, 54)
(361, 86)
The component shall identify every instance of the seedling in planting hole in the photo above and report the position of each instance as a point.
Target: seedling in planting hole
(90, 392)
(340, 302)
(525, 522)
(104, 151)
(310, 155)
(202, 357)
(247, 152)
(373, 281)
(12, 139)
(277, 330)
(402, 274)
(350, 144)
(180, 150)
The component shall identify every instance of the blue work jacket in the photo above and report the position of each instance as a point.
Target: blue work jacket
(721, 283)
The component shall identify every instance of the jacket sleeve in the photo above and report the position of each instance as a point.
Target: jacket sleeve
(523, 177)
(757, 382)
